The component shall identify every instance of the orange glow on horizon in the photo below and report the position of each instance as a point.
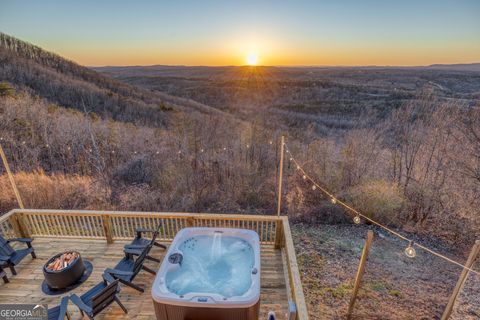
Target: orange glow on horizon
(238, 54)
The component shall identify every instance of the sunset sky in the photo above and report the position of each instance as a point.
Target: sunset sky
(97, 33)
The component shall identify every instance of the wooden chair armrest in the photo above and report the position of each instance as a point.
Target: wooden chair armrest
(135, 246)
(63, 308)
(108, 277)
(25, 240)
(80, 304)
(132, 251)
(114, 272)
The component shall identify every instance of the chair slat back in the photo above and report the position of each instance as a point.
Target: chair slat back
(5, 248)
(137, 266)
(102, 299)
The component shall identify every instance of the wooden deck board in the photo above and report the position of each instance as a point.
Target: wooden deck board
(25, 287)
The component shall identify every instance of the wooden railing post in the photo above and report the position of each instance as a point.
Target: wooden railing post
(294, 279)
(24, 230)
(279, 234)
(461, 281)
(360, 271)
(191, 221)
(280, 176)
(16, 226)
(107, 228)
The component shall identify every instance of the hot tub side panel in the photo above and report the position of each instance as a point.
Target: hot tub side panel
(174, 312)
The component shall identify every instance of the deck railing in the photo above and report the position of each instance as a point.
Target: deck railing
(115, 225)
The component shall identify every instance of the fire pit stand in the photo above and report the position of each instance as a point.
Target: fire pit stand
(64, 272)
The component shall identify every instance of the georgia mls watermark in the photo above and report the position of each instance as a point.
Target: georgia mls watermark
(23, 312)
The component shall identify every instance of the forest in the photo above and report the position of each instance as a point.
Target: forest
(415, 166)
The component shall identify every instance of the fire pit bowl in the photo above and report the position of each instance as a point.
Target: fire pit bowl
(63, 269)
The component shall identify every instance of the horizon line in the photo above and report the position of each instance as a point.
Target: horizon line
(287, 66)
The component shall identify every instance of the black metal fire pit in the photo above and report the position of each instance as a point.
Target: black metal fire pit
(66, 276)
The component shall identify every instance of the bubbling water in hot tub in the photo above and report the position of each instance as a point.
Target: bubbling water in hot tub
(213, 264)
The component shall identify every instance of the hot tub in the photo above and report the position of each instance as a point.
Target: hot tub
(209, 273)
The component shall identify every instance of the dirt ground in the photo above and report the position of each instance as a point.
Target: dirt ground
(394, 286)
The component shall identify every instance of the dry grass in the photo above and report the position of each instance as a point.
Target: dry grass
(56, 191)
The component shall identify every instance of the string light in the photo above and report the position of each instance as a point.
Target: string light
(291, 159)
(333, 200)
(113, 151)
(68, 148)
(410, 250)
(248, 146)
(357, 219)
(158, 152)
(224, 149)
(201, 150)
(134, 152)
(23, 142)
(270, 142)
(90, 150)
(304, 177)
(47, 146)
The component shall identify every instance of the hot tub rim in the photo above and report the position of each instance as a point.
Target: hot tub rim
(249, 299)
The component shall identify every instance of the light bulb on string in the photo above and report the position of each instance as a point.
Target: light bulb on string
(357, 219)
(47, 146)
(201, 150)
(304, 177)
(134, 152)
(291, 159)
(224, 149)
(410, 250)
(314, 187)
(298, 167)
(113, 151)
(333, 200)
(23, 142)
(248, 146)
(270, 142)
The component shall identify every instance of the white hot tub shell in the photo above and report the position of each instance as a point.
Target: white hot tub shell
(204, 302)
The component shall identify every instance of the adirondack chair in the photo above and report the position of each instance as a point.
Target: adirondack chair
(140, 242)
(10, 257)
(127, 269)
(99, 297)
(59, 312)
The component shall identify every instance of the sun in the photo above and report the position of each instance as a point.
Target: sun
(252, 59)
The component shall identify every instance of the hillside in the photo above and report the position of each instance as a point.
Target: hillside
(63, 82)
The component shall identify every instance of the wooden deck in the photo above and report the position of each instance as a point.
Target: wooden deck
(26, 286)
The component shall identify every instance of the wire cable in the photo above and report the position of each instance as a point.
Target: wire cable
(335, 200)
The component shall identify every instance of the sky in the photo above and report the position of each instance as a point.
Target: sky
(205, 32)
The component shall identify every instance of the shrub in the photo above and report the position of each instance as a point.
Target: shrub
(377, 199)
(6, 90)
